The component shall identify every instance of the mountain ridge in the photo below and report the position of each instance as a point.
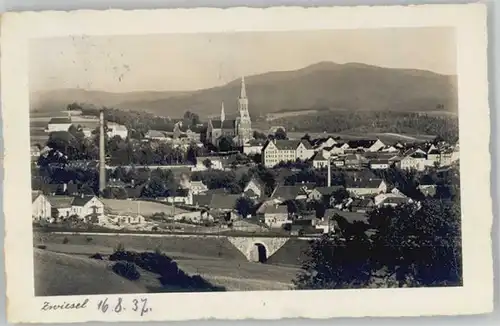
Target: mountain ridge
(351, 86)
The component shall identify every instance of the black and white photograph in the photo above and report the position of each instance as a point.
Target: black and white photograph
(266, 160)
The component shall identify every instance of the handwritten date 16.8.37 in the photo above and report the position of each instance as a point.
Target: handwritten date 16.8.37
(119, 306)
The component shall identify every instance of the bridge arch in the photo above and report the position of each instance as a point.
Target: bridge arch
(258, 252)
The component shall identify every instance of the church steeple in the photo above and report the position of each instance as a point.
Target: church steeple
(243, 93)
(222, 113)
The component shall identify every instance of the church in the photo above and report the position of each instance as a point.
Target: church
(239, 129)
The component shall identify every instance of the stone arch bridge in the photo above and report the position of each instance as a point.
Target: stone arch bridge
(257, 249)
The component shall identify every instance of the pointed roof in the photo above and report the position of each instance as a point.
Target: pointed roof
(243, 93)
(222, 112)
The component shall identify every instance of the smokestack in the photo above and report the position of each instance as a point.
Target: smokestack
(102, 159)
(329, 180)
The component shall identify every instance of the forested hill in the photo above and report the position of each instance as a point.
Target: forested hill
(350, 86)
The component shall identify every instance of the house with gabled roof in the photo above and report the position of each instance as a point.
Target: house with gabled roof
(324, 194)
(368, 145)
(40, 207)
(156, 135)
(254, 189)
(84, 206)
(284, 193)
(413, 159)
(275, 215)
(253, 146)
(362, 186)
(60, 206)
(319, 160)
(59, 124)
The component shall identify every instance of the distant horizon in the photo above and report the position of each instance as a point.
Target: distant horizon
(190, 62)
(236, 80)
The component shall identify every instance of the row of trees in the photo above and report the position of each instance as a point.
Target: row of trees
(139, 122)
(445, 127)
(74, 146)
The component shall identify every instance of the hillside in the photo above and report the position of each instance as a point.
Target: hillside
(61, 274)
(350, 86)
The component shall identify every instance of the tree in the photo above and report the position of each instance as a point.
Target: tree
(244, 206)
(207, 163)
(320, 209)
(280, 134)
(259, 135)
(420, 246)
(225, 144)
(336, 263)
(412, 246)
(191, 119)
(340, 195)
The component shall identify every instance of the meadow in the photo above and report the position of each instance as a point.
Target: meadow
(214, 259)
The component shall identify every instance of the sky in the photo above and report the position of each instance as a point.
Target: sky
(181, 62)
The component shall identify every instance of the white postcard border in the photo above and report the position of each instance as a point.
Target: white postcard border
(469, 21)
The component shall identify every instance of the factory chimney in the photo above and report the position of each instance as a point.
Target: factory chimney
(102, 153)
(329, 180)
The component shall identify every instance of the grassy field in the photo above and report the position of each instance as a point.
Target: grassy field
(62, 274)
(145, 208)
(216, 260)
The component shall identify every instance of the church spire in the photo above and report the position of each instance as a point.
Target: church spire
(222, 113)
(243, 88)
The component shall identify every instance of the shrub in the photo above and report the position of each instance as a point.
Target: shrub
(41, 246)
(127, 270)
(89, 239)
(65, 240)
(168, 270)
(97, 256)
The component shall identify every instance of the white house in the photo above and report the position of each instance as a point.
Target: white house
(216, 163)
(129, 219)
(277, 151)
(197, 187)
(254, 189)
(83, 206)
(254, 146)
(115, 129)
(304, 150)
(196, 216)
(329, 142)
(40, 207)
(360, 186)
(275, 215)
(59, 124)
(319, 160)
(60, 206)
(379, 164)
(416, 160)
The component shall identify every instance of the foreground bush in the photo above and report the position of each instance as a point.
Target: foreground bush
(127, 270)
(168, 270)
(97, 256)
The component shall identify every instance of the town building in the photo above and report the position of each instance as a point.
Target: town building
(59, 124)
(366, 145)
(115, 129)
(254, 146)
(319, 160)
(255, 189)
(40, 206)
(413, 160)
(380, 164)
(363, 187)
(275, 216)
(84, 206)
(276, 151)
